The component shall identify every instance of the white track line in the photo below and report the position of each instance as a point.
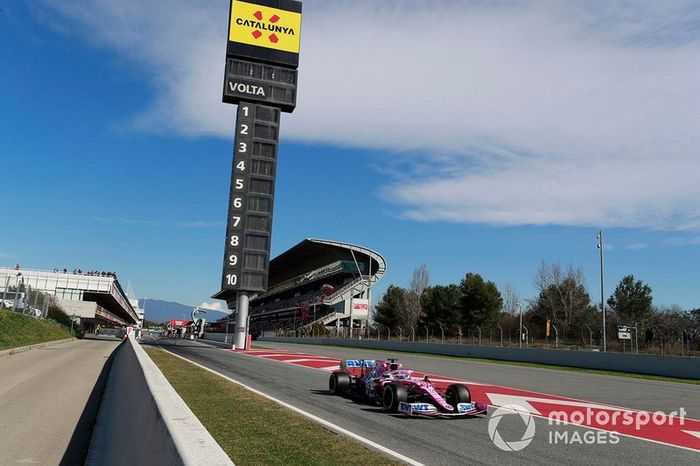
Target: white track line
(317, 419)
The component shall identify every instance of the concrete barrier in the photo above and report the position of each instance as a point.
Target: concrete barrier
(220, 337)
(650, 364)
(142, 420)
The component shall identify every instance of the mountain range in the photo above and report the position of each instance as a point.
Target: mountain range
(161, 311)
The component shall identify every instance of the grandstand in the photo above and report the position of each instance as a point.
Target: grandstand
(95, 299)
(317, 284)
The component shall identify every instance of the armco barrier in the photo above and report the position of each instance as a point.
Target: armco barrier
(650, 364)
(142, 420)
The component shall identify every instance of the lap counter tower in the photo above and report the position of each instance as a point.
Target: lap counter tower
(262, 57)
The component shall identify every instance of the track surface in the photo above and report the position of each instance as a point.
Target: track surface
(461, 440)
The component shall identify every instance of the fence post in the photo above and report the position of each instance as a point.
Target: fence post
(4, 291)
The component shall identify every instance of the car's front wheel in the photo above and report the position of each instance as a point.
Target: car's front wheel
(393, 395)
(457, 393)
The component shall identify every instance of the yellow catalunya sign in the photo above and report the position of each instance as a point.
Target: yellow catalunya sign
(263, 26)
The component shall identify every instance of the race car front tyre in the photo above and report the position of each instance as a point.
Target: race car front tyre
(393, 395)
(457, 393)
(339, 383)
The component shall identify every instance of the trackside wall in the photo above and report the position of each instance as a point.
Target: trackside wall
(142, 420)
(650, 364)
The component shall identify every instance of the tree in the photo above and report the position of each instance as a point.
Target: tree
(389, 310)
(441, 306)
(631, 300)
(413, 310)
(510, 299)
(562, 298)
(567, 305)
(481, 302)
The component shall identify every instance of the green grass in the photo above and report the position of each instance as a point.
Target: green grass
(253, 430)
(19, 330)
(630, 375)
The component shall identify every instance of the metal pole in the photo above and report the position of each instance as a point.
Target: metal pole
(241, 331)
(501, 330)
(479, 329)
(4, 291)
(590, 335)
(426, 334)
(520, 329)
(526, 334)
(413, 334)
(556, 337)
(636, 338)
(72, 319)
(442, 331)
(602, 292)
(682, 340)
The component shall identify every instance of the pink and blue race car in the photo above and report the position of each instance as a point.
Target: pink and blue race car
(388, 384)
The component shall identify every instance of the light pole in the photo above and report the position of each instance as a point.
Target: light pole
(602, 293)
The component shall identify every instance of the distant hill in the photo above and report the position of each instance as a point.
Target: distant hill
(163, 311)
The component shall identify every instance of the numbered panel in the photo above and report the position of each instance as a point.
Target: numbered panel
(251, 199)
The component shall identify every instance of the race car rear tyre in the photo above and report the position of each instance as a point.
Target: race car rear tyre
(457, 393)
(339, 383)
(393, 395)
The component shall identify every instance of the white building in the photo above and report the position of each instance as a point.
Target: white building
(95, 298)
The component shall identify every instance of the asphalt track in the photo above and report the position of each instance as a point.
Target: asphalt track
(462, 441)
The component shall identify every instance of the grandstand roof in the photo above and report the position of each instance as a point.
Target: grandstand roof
(311, 253)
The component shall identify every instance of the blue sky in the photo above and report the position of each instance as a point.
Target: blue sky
(546, 121)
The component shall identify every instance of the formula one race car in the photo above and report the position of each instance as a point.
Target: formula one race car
(388, 384)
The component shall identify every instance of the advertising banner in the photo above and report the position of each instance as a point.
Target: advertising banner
(360, 308)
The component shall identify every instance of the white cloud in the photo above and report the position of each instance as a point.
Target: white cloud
(124, 221)
(637, 246)
(512, 113)
(198, 224)
(213, 306)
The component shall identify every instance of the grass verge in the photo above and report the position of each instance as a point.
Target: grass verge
(19, 330)
(659, 378)
(253, 430)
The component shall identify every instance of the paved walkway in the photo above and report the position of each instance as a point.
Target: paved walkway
(43, 393)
